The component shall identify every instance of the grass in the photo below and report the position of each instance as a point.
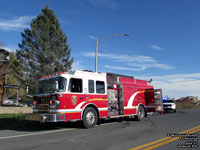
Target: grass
(12, 116)
(12, 121)
(186, 106)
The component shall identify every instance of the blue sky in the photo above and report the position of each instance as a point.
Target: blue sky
(163, 42)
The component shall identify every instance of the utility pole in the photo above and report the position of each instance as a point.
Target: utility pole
(101, 40)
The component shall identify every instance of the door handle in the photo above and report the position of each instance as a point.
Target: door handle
(81, 97)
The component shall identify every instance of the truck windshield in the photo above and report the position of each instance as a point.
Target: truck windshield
(48, 86)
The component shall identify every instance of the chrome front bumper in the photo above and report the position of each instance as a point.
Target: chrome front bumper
(45, 117)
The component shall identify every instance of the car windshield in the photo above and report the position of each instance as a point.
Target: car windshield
(168, 101)
(48, 85)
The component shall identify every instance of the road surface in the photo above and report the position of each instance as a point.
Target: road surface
(159, 132)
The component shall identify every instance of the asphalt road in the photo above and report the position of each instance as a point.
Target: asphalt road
(154, 132)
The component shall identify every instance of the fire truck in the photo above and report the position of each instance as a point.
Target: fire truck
(91, 96)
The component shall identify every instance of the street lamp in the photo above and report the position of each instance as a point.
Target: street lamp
(101, 40)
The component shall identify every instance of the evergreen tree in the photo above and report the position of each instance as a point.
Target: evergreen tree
(43, 50)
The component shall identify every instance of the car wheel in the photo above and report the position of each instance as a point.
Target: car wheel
(89, 117)
(140, 113)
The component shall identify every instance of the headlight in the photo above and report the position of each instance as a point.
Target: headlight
(173, 106)
(54, 104)
(34, 104)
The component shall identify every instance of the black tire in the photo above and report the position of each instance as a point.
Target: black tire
(140, 113)
(89, 117)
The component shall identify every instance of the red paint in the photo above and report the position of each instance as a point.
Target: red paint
(133, 90)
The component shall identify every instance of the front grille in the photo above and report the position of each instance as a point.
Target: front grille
(43, 108)
(43, 104)
(167, 105)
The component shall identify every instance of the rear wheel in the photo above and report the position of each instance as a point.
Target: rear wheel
(140, 113)
(89, 117)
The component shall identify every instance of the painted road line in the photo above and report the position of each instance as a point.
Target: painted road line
(169, 141)
(163, 139)
(46, 132)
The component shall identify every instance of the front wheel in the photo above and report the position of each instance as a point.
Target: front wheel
(140, 113)
(89, 117)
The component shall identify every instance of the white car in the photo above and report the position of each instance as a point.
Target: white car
(10, 102)
(169, 106)
(7, 102)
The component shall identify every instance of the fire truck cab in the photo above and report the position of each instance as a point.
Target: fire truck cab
(91, 96)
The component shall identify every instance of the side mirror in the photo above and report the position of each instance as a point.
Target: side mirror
(56, 86)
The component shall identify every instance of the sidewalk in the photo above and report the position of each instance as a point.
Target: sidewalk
(15, 110)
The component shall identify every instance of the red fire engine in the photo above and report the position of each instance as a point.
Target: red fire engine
(91, 96)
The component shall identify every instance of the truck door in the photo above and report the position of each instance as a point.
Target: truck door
(150, 100)
(77, 92)
(115, 96)
(115, 101)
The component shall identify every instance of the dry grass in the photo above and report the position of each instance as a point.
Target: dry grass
(183, 105)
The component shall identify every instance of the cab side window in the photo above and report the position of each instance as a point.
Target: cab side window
(100, 87)
(75, 85)
(91, 86)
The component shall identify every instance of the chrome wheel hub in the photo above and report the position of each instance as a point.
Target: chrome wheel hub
(140, 113)
(90, 118)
